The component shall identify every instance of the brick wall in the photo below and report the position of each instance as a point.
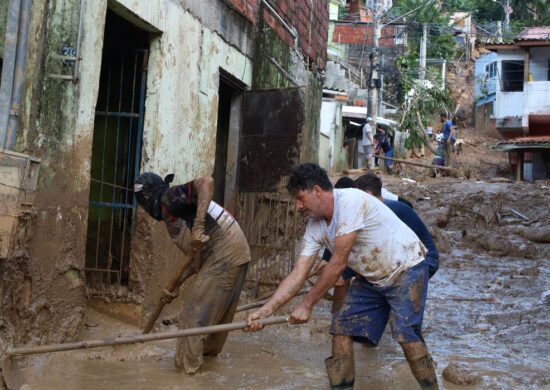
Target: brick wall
(362, 35)
(248, 8)
(308, 17)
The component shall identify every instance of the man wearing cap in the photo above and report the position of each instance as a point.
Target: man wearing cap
(368, 144)
(219, 269)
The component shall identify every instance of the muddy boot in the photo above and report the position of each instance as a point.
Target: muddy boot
(341, 372)
(424, 371)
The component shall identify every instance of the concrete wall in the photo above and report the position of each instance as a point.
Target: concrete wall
(484, 122)
(325, 151)
(332, 154)
(536, 98)
(539, 62)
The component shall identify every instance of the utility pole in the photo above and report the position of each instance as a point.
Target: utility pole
(507, 16)
(374, 82)
(423, 50)
(507, 11)
(381, 92)
(499, 31)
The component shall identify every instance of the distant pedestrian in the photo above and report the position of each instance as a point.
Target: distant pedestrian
(447, 137)
(385, 147)
(368, 143)
(430, 131)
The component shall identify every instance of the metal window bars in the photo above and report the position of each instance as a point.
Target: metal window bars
(116, 156)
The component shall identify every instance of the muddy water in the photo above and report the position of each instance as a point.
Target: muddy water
(486, 308)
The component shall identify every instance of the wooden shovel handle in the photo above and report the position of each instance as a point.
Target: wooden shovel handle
(172, 334)
(172, 285)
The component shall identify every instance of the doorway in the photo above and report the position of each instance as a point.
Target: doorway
(227, 140)
(116, 154)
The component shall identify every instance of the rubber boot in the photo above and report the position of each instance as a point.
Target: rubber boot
(424, 371)
(341, 373)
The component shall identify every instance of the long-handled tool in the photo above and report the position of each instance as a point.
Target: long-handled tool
(173, 285)
(14, 379)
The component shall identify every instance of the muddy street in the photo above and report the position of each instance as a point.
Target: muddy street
(487, 309)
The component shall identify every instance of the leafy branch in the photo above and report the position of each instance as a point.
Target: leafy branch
(421, 100)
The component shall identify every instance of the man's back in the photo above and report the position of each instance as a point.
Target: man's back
(414, 222)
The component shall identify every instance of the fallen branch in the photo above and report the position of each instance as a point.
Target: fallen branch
(398, 160)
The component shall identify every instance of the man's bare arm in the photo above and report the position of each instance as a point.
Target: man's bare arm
(288, 288)
(204, 188)
(332, 271)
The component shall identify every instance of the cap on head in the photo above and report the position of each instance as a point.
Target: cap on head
(369, 119)
(148, 188)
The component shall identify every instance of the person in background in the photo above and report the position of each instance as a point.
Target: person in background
(372, 184)
(447, 137)
(368, 144)
(430, 131)
(385, 147)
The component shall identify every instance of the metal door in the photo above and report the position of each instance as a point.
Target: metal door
(116, 156)
(273, 122)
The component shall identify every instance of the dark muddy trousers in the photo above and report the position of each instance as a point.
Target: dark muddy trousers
(210, 299)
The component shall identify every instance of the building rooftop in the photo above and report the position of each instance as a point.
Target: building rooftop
(538, 142)
(534, 34)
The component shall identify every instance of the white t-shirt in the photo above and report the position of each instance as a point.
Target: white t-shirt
(429, 130)
(389, 195)
(385, 246)
(367, 131)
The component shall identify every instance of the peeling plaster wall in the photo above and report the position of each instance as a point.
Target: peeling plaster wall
(180, 124)
(44, 296)
(180, 131)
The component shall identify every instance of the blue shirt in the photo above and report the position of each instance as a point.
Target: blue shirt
(447, 130)
(413, 221)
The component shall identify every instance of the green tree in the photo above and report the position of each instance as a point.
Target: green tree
(421, 100)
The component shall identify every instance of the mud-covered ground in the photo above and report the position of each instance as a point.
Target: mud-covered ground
(488, 306)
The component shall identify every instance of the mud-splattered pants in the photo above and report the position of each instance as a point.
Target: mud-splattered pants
(366, 308)
(209, 300)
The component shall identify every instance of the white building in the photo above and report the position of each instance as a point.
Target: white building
(522, 105)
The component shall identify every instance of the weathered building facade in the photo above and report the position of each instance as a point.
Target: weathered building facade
(112, 88)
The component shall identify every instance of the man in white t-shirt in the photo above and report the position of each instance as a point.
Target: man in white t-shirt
(368, 144)
(391, 275)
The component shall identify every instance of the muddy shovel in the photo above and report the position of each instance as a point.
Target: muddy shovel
(173, 285)
(14, 378)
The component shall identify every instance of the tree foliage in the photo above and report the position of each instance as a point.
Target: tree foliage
(421, 100)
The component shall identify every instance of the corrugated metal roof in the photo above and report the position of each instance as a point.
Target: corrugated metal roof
(527, 140)
(534, 34)
(541, 142)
